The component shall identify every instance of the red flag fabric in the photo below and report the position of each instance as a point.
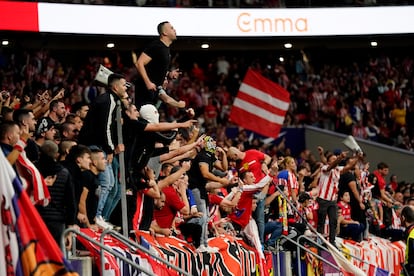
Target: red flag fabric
(32, 181)
(27, 247)
(260, 105)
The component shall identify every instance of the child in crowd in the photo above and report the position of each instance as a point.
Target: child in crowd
(306, 211)
(349, 228)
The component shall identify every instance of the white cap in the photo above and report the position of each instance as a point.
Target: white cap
(150, 113)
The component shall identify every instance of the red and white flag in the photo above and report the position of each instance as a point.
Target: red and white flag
(260, 105)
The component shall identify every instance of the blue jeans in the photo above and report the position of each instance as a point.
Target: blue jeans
(202, 207)
(259, 217)
(353, 231)
(275, 229)
(106, 182)
(115, 194)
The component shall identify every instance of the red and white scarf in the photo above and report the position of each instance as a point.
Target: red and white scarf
(33, 182)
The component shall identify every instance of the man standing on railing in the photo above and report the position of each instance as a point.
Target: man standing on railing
(153, 69)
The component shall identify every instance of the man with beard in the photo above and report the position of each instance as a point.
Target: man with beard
(27, 123)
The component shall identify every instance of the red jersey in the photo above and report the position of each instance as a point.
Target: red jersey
(243, 211)
(345, 210)
(253, 162)
(140, 209)
(173, 204)
(380, 179)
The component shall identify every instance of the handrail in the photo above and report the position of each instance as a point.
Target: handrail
(306, 221)
(317, 245)
(134, 245)
(340, 249)
(307, 250)
(106, 248)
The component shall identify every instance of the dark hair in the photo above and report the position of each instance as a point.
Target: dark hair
(78, 106)
(242, 174)
(53, 104)
(95, 151)
(5, 128)
(175, 169)
(407, 201)
(70, 118)
(303, 196)
(77, 151)
(408, 213)
(20, 114)
(160, 27)
(65, 127)
(114, 77)
(382, 166)
(329, 155)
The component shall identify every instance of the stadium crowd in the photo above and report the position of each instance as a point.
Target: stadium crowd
(197, 181)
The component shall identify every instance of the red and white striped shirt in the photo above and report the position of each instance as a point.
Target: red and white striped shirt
(290, 180)
(328, 183)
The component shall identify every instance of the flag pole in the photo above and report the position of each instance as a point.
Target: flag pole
(122, 172)
(337, 255)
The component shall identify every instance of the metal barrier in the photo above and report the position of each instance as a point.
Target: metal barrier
(103, 248)
(319, 257)
(299, 247)
(133, 245)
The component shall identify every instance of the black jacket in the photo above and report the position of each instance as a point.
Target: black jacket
(100, 125)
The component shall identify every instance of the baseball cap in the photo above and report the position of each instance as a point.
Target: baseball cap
(44, 124)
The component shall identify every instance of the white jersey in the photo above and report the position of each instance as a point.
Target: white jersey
(329, 182)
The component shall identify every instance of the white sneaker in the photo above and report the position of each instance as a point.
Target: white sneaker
(309, 233)
(102, 223)
(201, 249)
(113, 226)
(212, 249)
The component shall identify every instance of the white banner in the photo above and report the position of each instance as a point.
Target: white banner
(142, 21)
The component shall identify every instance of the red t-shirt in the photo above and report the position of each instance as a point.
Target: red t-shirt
(243, 211)
(173, 204)
(214, 199)
(380, 179)
(345, 210)
(253, 162)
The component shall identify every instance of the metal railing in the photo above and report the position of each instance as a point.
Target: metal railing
(299, 247)
(104, 248)
(314, 254)
(135, 246)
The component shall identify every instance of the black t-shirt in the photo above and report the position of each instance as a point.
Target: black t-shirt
(148, 208)
(356, 212)
(139, 144)
(32, 150)
(195, 178)
(133, 132)
(90, 182)
(343, 183)
(156, 71)
(76, 177)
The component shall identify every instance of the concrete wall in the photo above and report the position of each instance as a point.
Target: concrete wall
(401, 162)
